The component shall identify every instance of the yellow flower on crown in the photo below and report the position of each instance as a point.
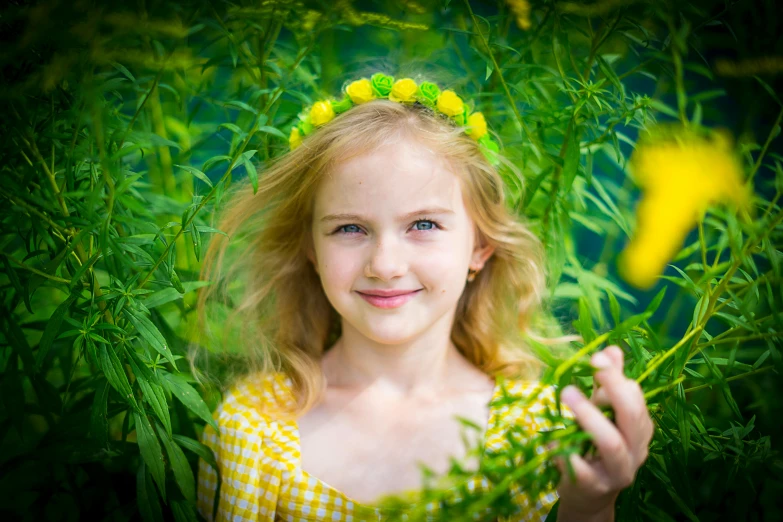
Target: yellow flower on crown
(404, 91)
(295, 139)
(360, 91)
(477, 126)
(450, 104)
(321, 113)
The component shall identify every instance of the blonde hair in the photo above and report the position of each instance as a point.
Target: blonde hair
(285, 320)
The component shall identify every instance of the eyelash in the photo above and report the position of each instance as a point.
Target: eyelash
(436, 227)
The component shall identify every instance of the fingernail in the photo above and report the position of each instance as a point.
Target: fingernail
(600, 361)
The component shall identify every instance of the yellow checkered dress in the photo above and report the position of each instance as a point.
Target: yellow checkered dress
(258, 456)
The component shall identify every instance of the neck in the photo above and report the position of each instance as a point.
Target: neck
(420, 366)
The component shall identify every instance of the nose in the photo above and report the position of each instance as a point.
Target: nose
(387, 259)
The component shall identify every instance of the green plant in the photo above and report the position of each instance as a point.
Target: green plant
(123, 128)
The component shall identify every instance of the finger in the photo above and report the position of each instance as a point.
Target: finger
(611, 357)
(599, 397)
(630, 409)
(599, 360)
(610, 443)
(616, 354)
(584, 473)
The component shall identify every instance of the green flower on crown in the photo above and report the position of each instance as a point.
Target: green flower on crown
(405, 90)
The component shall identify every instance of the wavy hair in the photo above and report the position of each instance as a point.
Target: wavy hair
(267, 296)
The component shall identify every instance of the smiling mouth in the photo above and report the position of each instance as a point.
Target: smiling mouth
(394, 301)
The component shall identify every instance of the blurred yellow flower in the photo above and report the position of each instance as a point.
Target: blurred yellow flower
(450, 104)
(521, 11)
(681, 174)
(295, 139)
(360, 91)
(321, 113)
(478, 125)
(404, 91)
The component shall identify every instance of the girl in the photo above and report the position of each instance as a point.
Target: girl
(387, 289)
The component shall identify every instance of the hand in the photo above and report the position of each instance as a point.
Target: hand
(622, 448)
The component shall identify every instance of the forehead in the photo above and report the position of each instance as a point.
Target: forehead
(402, 175)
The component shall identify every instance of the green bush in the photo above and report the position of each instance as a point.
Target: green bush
(123, 126)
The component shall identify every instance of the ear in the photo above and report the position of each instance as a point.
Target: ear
(480, 256)
(481, 252)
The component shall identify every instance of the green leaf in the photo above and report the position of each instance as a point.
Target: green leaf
(183, 474)
(176, 283)
(183, 511)
(662, 107)
(683, 420)
(18, 341)
(11, 274)
(273, 131)
(51, 330)
(150, 333)
(214, 161)
(233, 128)
(252, 173)
(178, 386)
(167, 295)
(146, 496)
(723, 385)
(115, 372)
(195, 238)
(700, 309)
(769, 90)
(154, 395)
(609, 72)
(149, 447)
(571, 160)
(200, 175)
(614, 307)
(123, 70)
(236, 104)
(99, 419)
(202, 450)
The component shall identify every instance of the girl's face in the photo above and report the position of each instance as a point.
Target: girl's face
(393, 220)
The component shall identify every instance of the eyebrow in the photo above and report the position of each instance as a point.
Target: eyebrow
(356, 217)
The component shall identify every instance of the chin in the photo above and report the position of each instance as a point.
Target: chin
(390, 332)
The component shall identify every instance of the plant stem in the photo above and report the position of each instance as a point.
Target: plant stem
(734, 378)
(740, 339)
(272, 99)
(530, 135)
(657, 362)
(763, 152)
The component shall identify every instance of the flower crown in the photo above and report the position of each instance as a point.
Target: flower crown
(381, 86)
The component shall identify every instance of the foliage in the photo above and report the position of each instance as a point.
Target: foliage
(124, 126)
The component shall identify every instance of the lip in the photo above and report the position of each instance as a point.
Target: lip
(395, 298)
(387, 293)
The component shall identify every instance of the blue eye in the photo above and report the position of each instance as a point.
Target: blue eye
(432, 224)
(354, 229)
(346, 226)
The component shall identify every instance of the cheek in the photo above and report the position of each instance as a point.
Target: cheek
(338, 266)
(445, 266)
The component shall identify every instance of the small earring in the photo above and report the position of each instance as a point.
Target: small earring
(472, 274)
